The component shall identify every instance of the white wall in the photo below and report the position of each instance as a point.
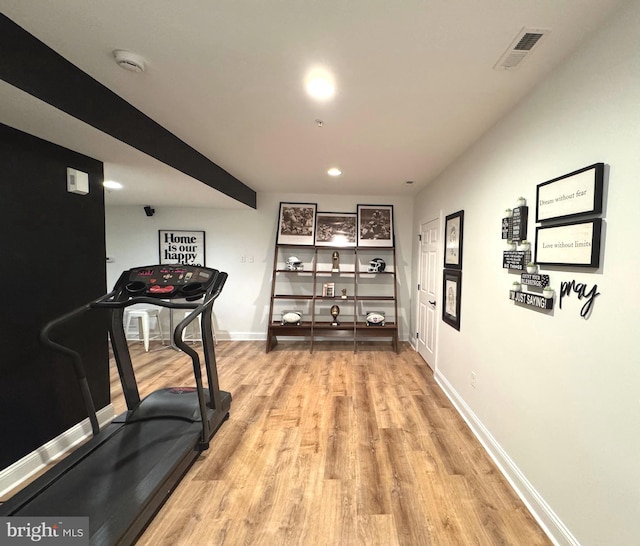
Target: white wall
(242, 309)
(557, 397)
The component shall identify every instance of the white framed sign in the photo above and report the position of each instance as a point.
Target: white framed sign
(576, 244)
(177, 246)
(570, 195)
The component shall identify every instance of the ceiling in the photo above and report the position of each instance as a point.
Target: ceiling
(415, 85)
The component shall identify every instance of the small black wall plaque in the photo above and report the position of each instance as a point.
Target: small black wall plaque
(519, 221)
(531, 300)
(507, 228)
(534, 279)
(516, 259)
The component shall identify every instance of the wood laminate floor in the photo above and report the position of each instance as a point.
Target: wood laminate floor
(333, 448)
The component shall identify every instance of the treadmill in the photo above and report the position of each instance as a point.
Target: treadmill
(120, 478)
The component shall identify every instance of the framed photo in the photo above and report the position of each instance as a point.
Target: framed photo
(336, 229)
(375, 225)
(454, 225)
(451, 292)
(177, 246)
(576, 244)
(296, 223)
(571, 195)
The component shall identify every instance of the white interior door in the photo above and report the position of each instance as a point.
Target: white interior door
(427, 291)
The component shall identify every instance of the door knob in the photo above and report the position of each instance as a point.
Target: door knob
(432, 303)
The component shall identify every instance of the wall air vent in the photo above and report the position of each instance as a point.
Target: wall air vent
(524, 43)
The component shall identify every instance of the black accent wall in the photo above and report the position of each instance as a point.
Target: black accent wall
(52, 260)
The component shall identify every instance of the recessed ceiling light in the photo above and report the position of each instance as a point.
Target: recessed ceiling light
(111, 185)
(320, 84)
(334, 171)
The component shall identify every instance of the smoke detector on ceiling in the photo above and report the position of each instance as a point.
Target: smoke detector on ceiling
(129, 61)
(521, 48)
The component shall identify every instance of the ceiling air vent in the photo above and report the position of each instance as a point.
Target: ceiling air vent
(526, 40)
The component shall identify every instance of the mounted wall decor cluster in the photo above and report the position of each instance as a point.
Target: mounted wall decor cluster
(452, 274)
(572, 195)
(558, 242)
(518, 257)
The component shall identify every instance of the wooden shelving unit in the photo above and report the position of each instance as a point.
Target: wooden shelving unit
(302, 290)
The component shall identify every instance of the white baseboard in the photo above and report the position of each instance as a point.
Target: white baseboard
(12, 476)
(551, 524)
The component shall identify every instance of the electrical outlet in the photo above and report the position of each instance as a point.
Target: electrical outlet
(473, 379)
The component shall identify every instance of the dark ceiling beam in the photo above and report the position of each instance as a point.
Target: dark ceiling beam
(35, 68)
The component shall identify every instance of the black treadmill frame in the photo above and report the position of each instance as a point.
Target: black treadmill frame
(213, 405)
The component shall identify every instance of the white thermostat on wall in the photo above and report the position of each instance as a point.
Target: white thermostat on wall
(77, 181)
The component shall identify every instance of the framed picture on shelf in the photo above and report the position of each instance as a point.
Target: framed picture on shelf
(336, 229)
(452, 290)
(178, 246)
(328, 290)
(454, 225)
(375, 225)
(296, 224)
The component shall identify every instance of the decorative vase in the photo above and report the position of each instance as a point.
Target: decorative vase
(508, 213)
(548, 293)
(532, 269)
(511, 245)
(521, 201)
(517, 287)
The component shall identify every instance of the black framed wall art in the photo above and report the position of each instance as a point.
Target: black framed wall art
(571, 195)
(375, 225)
(452, 292)
(453, 229)
(297, 224)
(179, 246)
(574, 244)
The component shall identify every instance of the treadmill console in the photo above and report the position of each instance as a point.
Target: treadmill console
(169, 281)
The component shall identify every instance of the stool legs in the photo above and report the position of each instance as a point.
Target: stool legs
(143, 326)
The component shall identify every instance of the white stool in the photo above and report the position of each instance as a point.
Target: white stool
(143, 316)
(192, 336)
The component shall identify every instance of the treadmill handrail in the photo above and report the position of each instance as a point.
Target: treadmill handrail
(205, 306)
(76, 360)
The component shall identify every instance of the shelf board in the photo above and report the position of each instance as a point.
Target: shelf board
(277, 324)
(308, 272)
(344, 325)
(376, 298)
(388, 325)
(335, 298)
(291, 297)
